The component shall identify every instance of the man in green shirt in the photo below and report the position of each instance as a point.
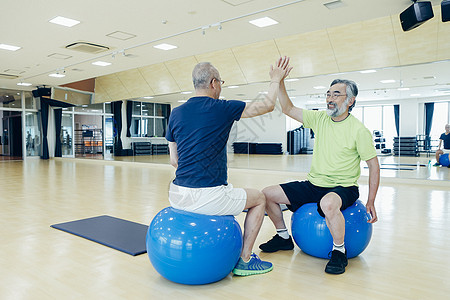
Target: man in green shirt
(341, 142)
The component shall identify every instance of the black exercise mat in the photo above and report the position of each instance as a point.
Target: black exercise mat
(119, 234)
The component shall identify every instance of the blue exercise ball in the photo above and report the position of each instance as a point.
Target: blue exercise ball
(191, 248)
(444, 160)
(313, 237)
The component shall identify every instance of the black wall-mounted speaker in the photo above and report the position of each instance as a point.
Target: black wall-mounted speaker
(416, 14)
(41, 92)
(445, 10)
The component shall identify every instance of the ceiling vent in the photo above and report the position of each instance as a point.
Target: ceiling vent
(87, 47)
(8, 76)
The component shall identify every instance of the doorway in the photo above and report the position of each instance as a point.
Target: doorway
(11, 135)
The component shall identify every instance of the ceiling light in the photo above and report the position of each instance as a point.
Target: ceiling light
(415, 95)
(403, 89)
(165, 47)
(186, 93)
(148, 97)
(9, 47)
(248, 101)
(292, 79)
(57, 75)
(182, 101)
(319, 87)
(24, 84)
(367, 71)
(233, 87)
(263, 93)
(387, 81)
(64, 21)
(101, 63)
(263, 22)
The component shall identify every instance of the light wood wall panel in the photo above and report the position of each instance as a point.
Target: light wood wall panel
(159, 79)
(255, 59)
(181, 71)
(443, 41)
(100, 93)
(135, 83)
(226, 64)
(114, 87)
(311, 53)
(418, 45)
(364, 45)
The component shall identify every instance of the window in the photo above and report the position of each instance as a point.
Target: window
(149, 119)
(440, 119)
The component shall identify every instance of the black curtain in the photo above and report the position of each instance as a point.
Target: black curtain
(117, 123)
(45, 105)
(429, 110)
(44, 120)
(166, 115)
(397, 118)
(129, 112)
(58, 119)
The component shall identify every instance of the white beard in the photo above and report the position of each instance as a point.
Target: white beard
(337, 111)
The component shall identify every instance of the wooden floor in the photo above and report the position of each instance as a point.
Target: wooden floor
(406, 259)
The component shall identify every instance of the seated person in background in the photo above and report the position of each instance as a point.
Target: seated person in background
(198, 132)
(445, 137)
(341, 142)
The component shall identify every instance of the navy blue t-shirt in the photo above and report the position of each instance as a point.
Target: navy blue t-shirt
(200, 128)
(446, 139)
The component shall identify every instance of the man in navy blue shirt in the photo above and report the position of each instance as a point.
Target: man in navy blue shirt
(445, 140)
(198, 133)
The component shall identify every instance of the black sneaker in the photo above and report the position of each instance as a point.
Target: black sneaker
(337, 263)
(277, 243)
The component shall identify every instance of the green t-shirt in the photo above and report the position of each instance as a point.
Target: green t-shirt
(339, 148)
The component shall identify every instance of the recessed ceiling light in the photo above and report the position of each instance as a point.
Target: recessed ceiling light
(387, 81)
(248, 101)
(101, 63)
(182, 101)
(148, 97)
(57, 75)
(291, 79)
(319, 87)
(263, 22)
(367, 71)
(263, 93)
(415, 95)
(64, 21)
(165, 47)
(121, 35)
(24, 84)
(233, 87)
(9, 47)
(59, 56)
(186, 93)
(403, 89)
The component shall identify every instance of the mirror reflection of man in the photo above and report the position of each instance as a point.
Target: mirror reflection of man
(444, 140)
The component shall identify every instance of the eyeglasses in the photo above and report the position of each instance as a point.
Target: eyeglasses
(219, 80)
(334, 95)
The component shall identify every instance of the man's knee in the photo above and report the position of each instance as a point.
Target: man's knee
(255, 198)
(272, 193)
(330, 203)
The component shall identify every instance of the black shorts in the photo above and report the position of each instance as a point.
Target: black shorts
(302, 192)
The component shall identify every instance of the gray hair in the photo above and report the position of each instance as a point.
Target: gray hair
(202, 75)
(351, 90)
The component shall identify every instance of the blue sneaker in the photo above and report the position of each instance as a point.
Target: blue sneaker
(253, 267)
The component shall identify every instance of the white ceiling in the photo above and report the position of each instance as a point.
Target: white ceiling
(25, 24)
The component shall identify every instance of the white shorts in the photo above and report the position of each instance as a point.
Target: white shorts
(218, 200)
